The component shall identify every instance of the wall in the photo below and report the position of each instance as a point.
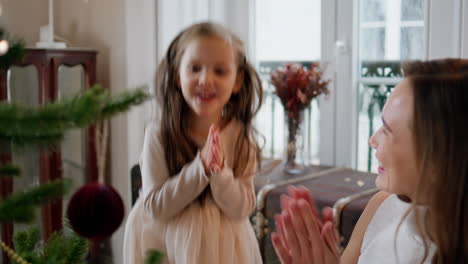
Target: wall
(174, 15)
(446, 28)
(123, 32)
(464, 30)
(14, 15)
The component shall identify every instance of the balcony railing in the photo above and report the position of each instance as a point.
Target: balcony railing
(376, 81)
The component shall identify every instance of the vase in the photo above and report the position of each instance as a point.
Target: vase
(294, 162)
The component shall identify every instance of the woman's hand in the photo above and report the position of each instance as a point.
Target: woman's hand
(302, 237)
(211, 154)
(301, 192)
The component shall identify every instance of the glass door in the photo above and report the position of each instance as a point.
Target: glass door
(286, 32)
(361, 43)
(390, 31)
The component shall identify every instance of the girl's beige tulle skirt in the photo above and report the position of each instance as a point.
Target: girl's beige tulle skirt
(202, 235)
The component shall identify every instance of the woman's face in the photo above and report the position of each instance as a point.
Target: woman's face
(394, 144)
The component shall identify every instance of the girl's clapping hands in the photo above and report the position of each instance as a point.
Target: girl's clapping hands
(211, 154)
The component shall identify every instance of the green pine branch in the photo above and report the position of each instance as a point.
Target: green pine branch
(122, 103)
(45, 126)
(64, 250)
(26, 240)
(59, 249)
(153, 257)
(9, 171)
(50, 119)
(25, 243)
(78, 247)
(20, 206)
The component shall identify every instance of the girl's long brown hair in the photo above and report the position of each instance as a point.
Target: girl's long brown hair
(242, 106)
(440, 90)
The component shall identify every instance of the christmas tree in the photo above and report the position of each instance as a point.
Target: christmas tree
(44, 127)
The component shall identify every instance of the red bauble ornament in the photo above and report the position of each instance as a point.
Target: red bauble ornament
(95, 211)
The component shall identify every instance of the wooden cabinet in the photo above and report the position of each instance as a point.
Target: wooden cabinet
(44, 76)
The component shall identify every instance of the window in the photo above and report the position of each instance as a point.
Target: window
(412, 29)
(286, 32)
(363, 43)
(390, 31)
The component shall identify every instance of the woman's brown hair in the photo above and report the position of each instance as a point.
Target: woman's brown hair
(242, 106)
(440, 131)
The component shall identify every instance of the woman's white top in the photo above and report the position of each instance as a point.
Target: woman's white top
(385, 243)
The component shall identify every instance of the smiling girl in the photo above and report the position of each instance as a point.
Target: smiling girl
(199, 161)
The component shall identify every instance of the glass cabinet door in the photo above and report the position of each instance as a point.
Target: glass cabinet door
(71, 81)
(22, 88)
(32, 86)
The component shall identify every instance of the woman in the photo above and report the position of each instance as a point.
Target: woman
(421, 215)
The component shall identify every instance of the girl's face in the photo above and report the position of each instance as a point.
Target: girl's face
(394, 144)
(208, 76)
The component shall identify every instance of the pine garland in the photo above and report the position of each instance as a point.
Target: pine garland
(9, 171)
(12, 254)
(19, 207)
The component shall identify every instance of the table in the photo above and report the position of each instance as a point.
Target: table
(346, 190)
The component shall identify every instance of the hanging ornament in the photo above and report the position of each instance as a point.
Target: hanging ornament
(3, 41)
(96, 210)
(3, 47)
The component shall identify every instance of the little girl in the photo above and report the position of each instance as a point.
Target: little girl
(199, 160)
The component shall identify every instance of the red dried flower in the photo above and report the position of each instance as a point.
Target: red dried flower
(296, 86)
